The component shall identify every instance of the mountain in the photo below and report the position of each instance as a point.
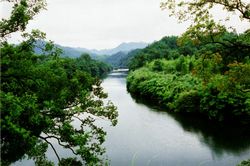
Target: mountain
(123, 47)
(114, 60)
(126, 47)
(117, 57)
(121, 55)
(68, 51)
(124, 61)
(121, 59)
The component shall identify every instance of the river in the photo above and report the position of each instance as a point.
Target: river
(149, 136)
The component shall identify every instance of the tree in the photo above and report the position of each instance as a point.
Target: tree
(204, 30)
(213, 81)
(200, 14)
(200, 10)
(23, 11)
(42, 95)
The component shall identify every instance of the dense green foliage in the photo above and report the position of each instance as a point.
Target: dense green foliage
(244, 163)
(121, 59)
(167, 48)
(124, 62)
(96, 68)
(23, 11)
(44, 96)
(181, 86)
(115, 59)
(205, 71)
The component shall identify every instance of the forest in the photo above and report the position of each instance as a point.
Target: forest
(41, 95)
(205, 71)
(208, 79)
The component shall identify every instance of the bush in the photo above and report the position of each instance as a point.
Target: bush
(188, 101)
(221, 97)
(245, 163)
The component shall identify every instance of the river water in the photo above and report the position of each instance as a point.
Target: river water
(148, 136)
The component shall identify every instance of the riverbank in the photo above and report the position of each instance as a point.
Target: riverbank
(148, 135)
(218, 97)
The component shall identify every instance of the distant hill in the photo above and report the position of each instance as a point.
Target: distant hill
(123, 47)
(121, 55)
(67, 51)
(114, 60)
(166, 48)
(75, 52)
(71, 52)
(121, 59)
(125, 61)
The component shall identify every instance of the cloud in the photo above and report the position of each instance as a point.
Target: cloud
(105, 23)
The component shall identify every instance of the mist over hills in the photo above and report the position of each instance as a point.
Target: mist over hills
(121, 59)
(66, 51)
(100, 54)
(77, 51)
(123, 47)
(116, 57)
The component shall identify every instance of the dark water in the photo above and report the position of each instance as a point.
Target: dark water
(150, 136)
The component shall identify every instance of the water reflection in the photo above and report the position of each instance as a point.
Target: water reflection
(148, 135)
(118, 74)
(220, 138)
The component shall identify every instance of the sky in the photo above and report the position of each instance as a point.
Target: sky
(101, 24)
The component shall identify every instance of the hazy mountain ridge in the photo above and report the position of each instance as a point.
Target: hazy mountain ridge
(103, 54)
(114, 60)
(121, 59)
(66, 51)
(123, 47)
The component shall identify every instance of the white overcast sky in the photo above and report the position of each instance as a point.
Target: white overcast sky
(105, 23)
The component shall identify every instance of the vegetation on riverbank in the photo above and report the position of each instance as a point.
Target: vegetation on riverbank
(244, 163)
(204, 71)
(181, 86)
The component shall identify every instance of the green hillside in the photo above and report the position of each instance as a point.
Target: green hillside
(206, 78)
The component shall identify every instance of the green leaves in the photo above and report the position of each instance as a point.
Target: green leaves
(162, 86)
(205, 30)
(200, 9)
(40, 98)
(244, 163)
(201, 88)
(15, 125)
(42, 95)
(22, 12)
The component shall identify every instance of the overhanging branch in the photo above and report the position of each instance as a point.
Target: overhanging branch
(45, 139)
(60, 143)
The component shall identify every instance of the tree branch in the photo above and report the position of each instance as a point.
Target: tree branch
(51, 147)
(229, 43)
(60, 143)
(239, 7)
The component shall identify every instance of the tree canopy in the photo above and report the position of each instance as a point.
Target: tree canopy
(43, 96)
(200, 10)
(206, 73)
